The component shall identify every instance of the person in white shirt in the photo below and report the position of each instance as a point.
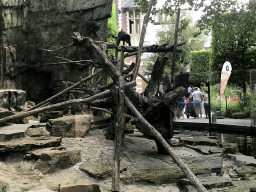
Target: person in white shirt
(197, 100)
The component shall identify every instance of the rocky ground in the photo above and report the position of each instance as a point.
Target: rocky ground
(33, 160)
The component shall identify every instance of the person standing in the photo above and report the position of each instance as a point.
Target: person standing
(180, 107)
(197, 100)
(206, 105)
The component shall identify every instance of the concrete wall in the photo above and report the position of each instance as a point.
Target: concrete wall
(29, 26)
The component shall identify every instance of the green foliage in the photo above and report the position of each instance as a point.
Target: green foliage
(186, 33)
(199, 66)
(233, 36)
(6, 187)
(112, 28)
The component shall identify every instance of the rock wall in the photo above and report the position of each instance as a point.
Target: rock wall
(28, 27)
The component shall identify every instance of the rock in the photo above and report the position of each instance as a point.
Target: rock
(69, 126)
(245, 172)
(6, 113)
(199, 140)
(26, 144)
(241, 160)
(190, 188)
(243, 185)
(35, 154)
(12, 99)
(65, 178)
(12, 131)
(79, 188)
(36, 132)
(229, 147)
(210, 182)
(170, 174)
(55, 160)
(45, 116)
(40, 189)
(99, 168)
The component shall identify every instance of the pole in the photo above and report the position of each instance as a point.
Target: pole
(142, 37)
(175, 46)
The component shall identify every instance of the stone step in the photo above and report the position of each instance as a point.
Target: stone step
(70, 126)
(210, 182)
(242, 160)
(28, 143)
(198, 140)
(12, 131)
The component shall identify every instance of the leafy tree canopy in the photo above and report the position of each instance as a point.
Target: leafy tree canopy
(166, 35)
(211, 9)
(112, 28)
(234, 33)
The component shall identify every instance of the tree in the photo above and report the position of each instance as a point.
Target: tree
(234, 33)
(112, 28)
(185, 33)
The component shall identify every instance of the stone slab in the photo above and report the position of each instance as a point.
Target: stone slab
(99, 168)
(242, 160)
(12, 131)
(69, 126)
(54, 160)
(79, 188)
(65, 178)
(198, 140)
(210, 182)
(26, 144)
(35, 154)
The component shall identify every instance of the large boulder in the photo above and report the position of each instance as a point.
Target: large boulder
(69, 126)
(12, 99)
(55, 160)
(45, 116)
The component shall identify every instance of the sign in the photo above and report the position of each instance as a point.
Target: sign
(225, 74)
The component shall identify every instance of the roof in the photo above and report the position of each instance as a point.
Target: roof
(129, 4)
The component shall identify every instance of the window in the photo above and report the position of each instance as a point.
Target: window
(137, 13)
(137, 26)
(131, 14)
(131, 26)
(134, 23)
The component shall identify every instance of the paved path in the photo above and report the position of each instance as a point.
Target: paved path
(227, 121)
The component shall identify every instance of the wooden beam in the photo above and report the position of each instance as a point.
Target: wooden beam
(175, 46)
(142, 37)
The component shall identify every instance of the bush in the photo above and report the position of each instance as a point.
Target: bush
(199, 66)
(239, 115)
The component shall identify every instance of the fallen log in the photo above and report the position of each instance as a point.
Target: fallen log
(51, 107)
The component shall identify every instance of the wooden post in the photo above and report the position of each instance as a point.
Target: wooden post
(175, 46)
(119, 131)
(69, 98)
(122, 59)
(142, 37)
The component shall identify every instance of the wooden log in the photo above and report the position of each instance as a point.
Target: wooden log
(55, 106)
(172, 96)
(109, 112)
(119, 135)
(175, 46)
(156, 77)
(142, 37)
(163, 142)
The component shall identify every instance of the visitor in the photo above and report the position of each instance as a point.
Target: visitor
(197, 99)
(180, 107)
(206, 105)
